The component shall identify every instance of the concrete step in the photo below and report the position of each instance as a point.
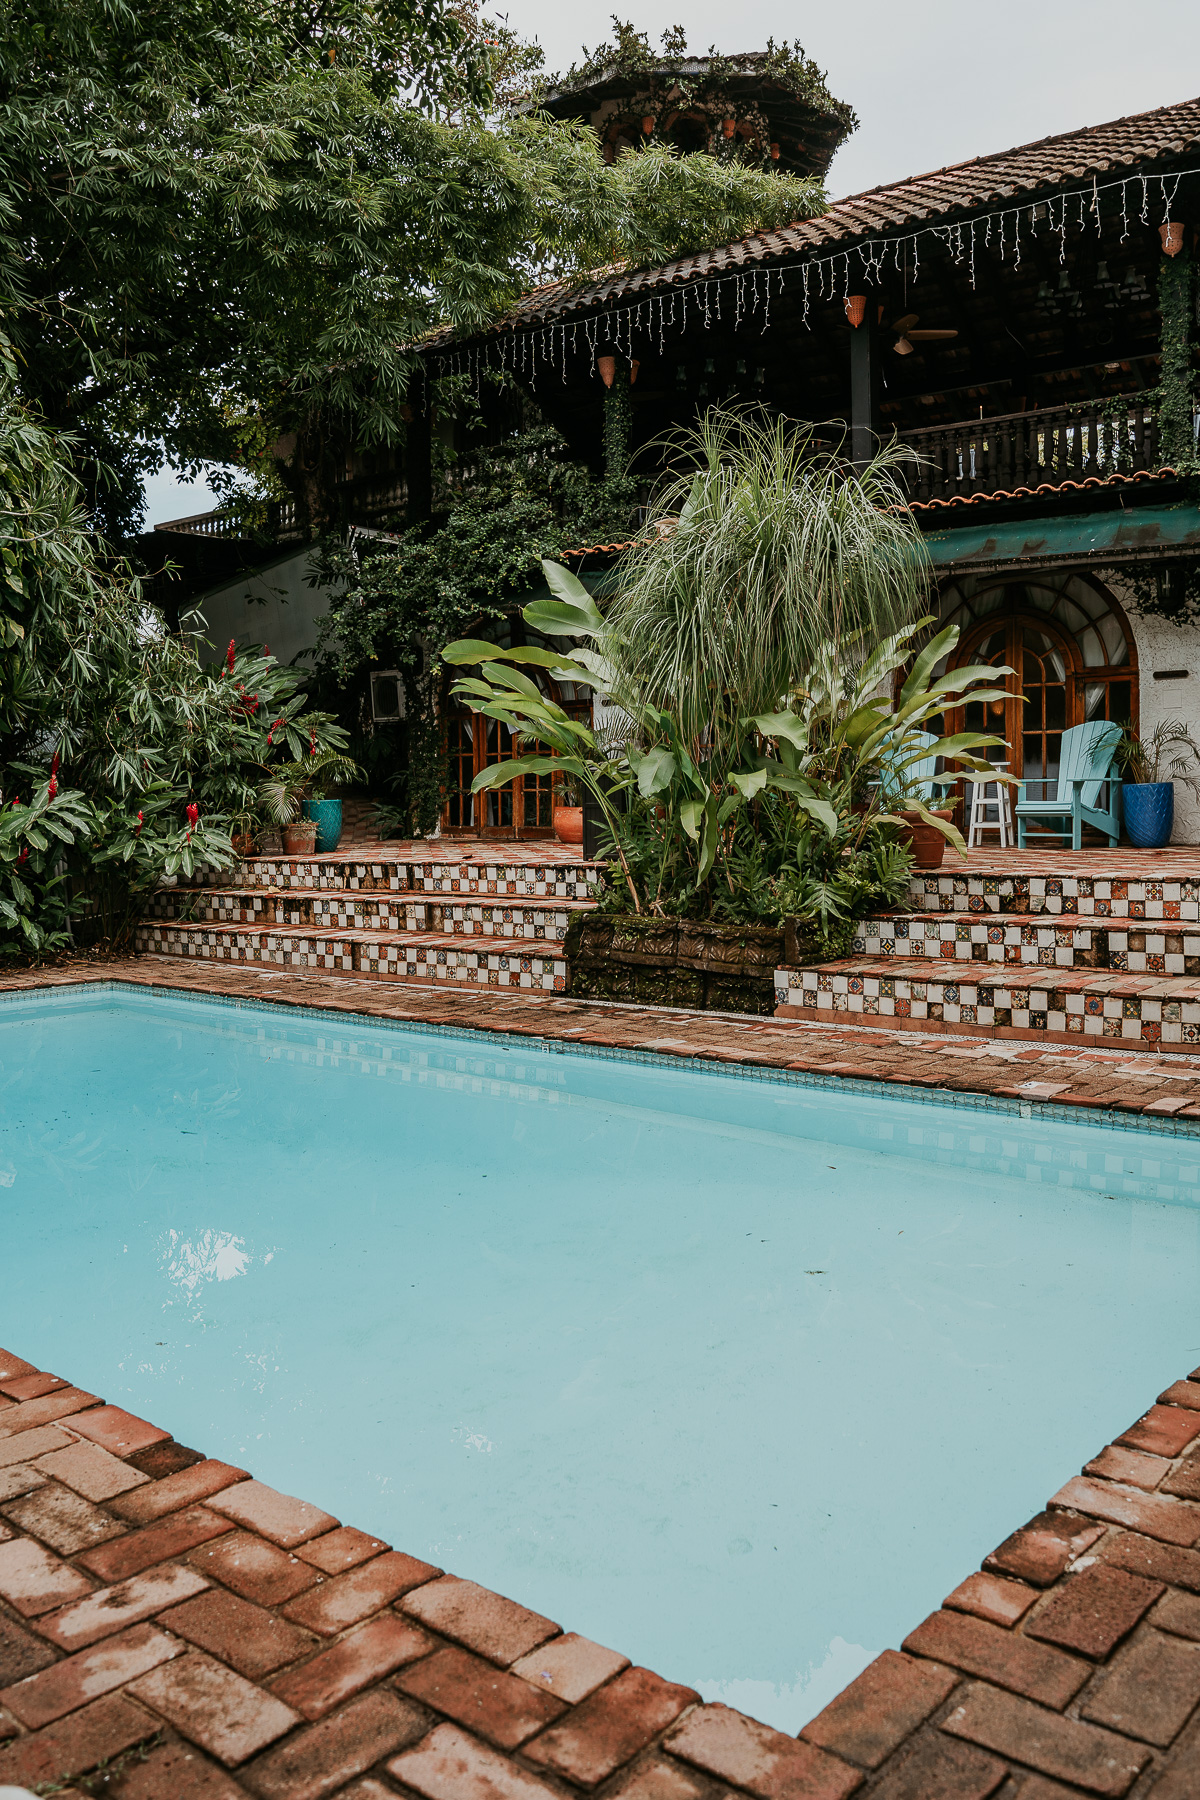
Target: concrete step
(1097, 883)
(520, 871)
(469, 915)
(1042, 939)
(425, 957)
(1040, 1004)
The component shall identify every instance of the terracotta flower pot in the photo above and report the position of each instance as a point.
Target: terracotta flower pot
(300, 837)
(244, 844)
(568, 824)
(927, 843)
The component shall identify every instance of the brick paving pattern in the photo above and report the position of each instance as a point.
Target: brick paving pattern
(146, 1636)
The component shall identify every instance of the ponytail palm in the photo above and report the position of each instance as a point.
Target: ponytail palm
(776, 548)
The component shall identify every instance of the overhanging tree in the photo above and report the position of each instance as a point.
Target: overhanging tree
(224, 220)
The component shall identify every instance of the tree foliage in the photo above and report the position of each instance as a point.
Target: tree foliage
(124, 761)
(225, 220)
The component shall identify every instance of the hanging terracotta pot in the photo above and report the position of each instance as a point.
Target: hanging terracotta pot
(728, 127)
(634, 366)
(856, 307)
(607, 366)
(1172, 238)
(648, 124)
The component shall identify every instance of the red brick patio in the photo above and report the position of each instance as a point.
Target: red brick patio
(172, 1629)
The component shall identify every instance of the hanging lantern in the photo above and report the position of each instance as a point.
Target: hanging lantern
(856, 307)
(1172, 238)
(634, 366)
(607, 365)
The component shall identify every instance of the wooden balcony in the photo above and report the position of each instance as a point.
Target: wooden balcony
(1019, 453)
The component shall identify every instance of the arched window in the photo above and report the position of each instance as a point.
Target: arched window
(1070, 646)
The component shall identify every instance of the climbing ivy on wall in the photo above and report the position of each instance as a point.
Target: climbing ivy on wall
(1176, 390)
(459, 575)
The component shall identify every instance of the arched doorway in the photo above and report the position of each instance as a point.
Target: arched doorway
(1070, 647)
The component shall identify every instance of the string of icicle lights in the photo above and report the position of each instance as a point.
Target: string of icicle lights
(746, 294)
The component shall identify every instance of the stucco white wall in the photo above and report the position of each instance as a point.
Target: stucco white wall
(1162, 646)
(277, 605)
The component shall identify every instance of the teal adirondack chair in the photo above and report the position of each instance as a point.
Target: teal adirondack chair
(920, 780)
(1085, 764)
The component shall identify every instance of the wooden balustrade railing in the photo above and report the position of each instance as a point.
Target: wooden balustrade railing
(1028, 450)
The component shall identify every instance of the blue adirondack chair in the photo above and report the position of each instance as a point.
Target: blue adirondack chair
(1085, 764)
(920, 780)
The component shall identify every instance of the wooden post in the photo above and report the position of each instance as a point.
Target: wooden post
(418, 454)
(864, 385)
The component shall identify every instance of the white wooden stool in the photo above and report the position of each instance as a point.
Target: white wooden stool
(986, 797)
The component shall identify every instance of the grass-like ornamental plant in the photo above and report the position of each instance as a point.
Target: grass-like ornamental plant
(771, 546)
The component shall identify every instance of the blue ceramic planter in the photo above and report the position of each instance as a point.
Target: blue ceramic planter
(327, 815)
(1149, 812)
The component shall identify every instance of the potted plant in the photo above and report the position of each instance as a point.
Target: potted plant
(243, 834)
(1151, 766)
(295, 797)
(567, 812)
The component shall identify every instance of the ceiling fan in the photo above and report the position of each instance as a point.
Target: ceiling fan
(907, 337)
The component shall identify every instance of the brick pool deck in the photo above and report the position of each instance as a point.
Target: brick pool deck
(170, 1629)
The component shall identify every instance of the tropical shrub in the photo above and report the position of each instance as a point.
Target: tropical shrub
(124, 760)
(784, 815)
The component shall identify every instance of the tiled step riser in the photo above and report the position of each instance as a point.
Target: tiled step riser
(1101, 896)
(523, 880)
(371, 912)
(328, 953)
(981, 1008)
(1078, 944)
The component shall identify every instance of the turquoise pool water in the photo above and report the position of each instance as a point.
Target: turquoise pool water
(736, 1375)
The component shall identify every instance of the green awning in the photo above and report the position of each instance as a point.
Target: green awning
(1137, 535)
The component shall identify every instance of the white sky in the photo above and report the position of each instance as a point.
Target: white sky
(933, 81)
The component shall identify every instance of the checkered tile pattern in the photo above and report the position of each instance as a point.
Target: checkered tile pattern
(1045, 940)
(1071, 1003)
(403, 956)
(471, 870)
(1176, 895)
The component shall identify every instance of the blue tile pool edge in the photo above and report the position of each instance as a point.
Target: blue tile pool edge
(1111, 1118)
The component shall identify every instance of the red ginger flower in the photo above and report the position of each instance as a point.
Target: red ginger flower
(229, 656)
(137, 828)
(24, 856)
(193, 813)
(54, 765)
(52, 787)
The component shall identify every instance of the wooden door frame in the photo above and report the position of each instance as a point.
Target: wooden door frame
(1013, 624)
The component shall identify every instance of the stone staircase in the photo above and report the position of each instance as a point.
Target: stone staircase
(998, 951)
(474, 914)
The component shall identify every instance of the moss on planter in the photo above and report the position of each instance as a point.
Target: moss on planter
(674, 962)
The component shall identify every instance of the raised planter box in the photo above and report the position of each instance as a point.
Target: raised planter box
(673, 962)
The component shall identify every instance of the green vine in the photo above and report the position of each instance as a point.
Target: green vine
(618, 425)
(469, 568)
(1176, 390)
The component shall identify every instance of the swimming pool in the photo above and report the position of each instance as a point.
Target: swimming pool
(735, 1373)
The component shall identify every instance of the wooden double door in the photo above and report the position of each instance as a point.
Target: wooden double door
(1050, 690)
(518, 809)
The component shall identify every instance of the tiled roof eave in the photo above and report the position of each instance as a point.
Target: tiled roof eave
(1149, 143)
